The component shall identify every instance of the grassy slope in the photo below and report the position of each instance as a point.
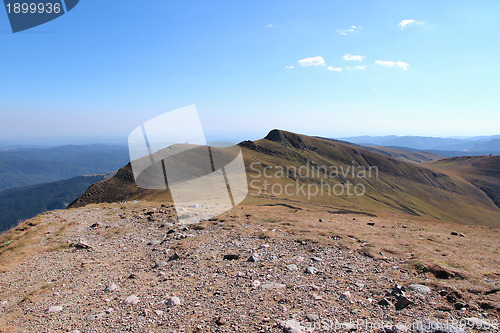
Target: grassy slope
(120, 187)
(400, 186)
(406, 155)
(481, 171)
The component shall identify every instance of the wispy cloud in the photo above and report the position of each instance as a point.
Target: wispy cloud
(349, 57)
(312, 61)
(319, 61)
(335, 69)
(350, 30)
(405, 23)
(351, 68)
(386, 63)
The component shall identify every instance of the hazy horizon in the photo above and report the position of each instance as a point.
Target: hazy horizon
(47, 142)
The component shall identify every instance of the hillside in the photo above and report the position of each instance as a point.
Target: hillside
(389, 185)
(481, 171)
(401, 153)
(18, 204)
(22, 167)
(407, 155)
(120, 187)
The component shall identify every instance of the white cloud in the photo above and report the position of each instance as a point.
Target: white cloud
(349, 57)
(270, 25)
(386, 63)
(312, 61)
(350, 30)
(404, 23)
(351, 68)
(290, 67)
(335, 69)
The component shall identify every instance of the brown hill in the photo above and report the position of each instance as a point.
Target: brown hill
(120, 187)
(293, 169)
(415, 156)
(481, 171)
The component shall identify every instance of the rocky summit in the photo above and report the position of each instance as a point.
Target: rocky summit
(244, 271)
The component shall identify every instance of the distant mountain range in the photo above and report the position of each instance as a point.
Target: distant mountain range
(34, 180)
(471, 146)
(23, 166)
(18, 204)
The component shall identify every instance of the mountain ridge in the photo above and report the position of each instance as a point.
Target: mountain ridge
(399, 186)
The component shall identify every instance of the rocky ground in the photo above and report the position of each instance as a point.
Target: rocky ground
(131, 268)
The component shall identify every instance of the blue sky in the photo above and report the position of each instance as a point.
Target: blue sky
(329, 68)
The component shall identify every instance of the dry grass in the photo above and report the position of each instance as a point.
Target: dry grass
(420, 242)
(41, 289)
(31, 237)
